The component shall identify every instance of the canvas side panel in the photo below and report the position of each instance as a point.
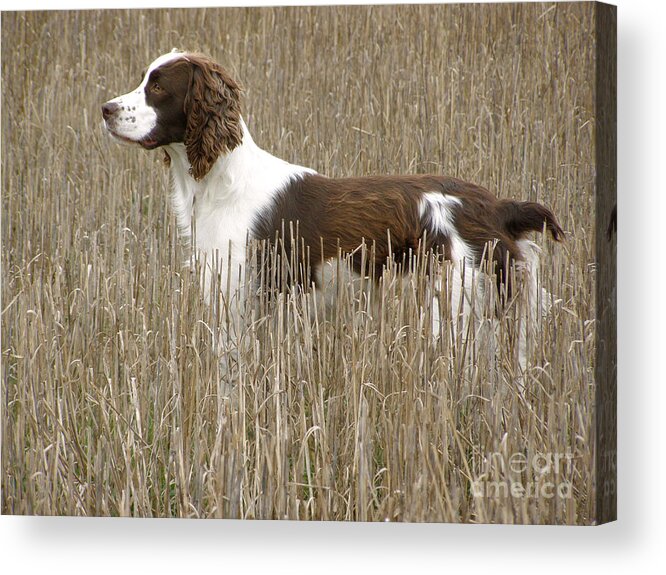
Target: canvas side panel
(606, 243)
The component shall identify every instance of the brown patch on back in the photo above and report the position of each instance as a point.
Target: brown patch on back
(344, 213)
(383, 211)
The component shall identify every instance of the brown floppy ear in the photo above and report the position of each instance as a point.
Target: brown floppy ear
(212, 106)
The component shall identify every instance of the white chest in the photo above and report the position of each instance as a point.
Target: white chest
(217, 213)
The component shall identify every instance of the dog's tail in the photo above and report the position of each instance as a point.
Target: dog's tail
(520, 218)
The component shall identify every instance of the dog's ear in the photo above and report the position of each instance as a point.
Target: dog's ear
(212, 107)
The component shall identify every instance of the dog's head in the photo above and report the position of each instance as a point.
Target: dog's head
(184, 98)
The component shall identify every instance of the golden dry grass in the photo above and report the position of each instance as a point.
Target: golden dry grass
(112, 396)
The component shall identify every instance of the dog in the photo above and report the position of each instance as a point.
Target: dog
(228, 191)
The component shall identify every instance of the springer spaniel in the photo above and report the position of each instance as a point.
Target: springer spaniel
(229, 190)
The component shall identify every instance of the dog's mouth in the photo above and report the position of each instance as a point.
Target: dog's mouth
(147, 143)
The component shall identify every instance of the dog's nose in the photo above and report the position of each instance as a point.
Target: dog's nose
(109, 109)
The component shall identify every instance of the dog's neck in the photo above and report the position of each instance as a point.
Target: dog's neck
(243, 181)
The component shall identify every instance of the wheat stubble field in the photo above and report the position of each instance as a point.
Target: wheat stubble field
(112, 395)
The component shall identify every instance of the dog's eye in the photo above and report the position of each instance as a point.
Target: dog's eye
(155, 88)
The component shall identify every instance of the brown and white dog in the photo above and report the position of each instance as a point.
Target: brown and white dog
(229, 190)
